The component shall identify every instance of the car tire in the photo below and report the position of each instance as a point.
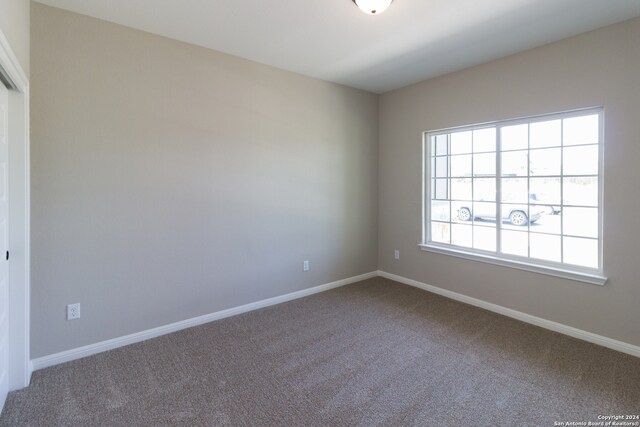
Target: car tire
(518, 218)
(464, 214)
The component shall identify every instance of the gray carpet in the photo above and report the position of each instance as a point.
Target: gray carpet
(372, 353)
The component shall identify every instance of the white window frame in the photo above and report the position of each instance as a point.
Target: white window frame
(558, 269)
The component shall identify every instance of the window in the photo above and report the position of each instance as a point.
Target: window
(525, 193)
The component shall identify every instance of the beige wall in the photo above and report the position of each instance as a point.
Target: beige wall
(170, 181)
(14, 24)
(597, 68)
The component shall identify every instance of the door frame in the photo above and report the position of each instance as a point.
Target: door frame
(19, 219)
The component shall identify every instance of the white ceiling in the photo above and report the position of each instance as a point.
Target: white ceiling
(333, 40)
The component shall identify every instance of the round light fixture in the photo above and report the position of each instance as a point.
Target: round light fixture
(373, 7)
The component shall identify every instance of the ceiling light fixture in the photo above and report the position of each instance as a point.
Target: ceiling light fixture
(373, 7)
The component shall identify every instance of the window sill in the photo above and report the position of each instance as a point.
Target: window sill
(594, 279)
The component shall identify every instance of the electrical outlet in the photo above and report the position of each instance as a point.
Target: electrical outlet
(73, 311)
(305, 266)
(396, 254)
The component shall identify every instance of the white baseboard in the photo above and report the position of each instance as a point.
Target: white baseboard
(528, 318)
(88, 350)
(91, 349)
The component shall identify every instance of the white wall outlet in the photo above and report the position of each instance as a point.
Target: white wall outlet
(73, 311)
(305, 266)
(396, 254)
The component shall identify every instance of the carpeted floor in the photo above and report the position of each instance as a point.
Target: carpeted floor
(372, 353)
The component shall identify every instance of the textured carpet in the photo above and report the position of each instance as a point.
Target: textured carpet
(373, 353)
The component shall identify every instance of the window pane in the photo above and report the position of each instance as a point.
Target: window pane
(515, 163)
(461, 211)
(581, 130)
(484, 164)
(484, 140)
(485, 213)
(461, 165)
(545, 162)
(484, 238)
(544, 191)
(580, 222)
(441, 145)
(543, 221)
(439, 190)
(461, 142)
(461, 189)
(440, 210)
(515, 243)
(515, 137)
(545, 134)
(545, 246)
(440, 232)
(582, 252)
(515, 217)
(515, 190)
(581, 160)
(441, 168)
(461, 235)
(484, 189)
(580, 191)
